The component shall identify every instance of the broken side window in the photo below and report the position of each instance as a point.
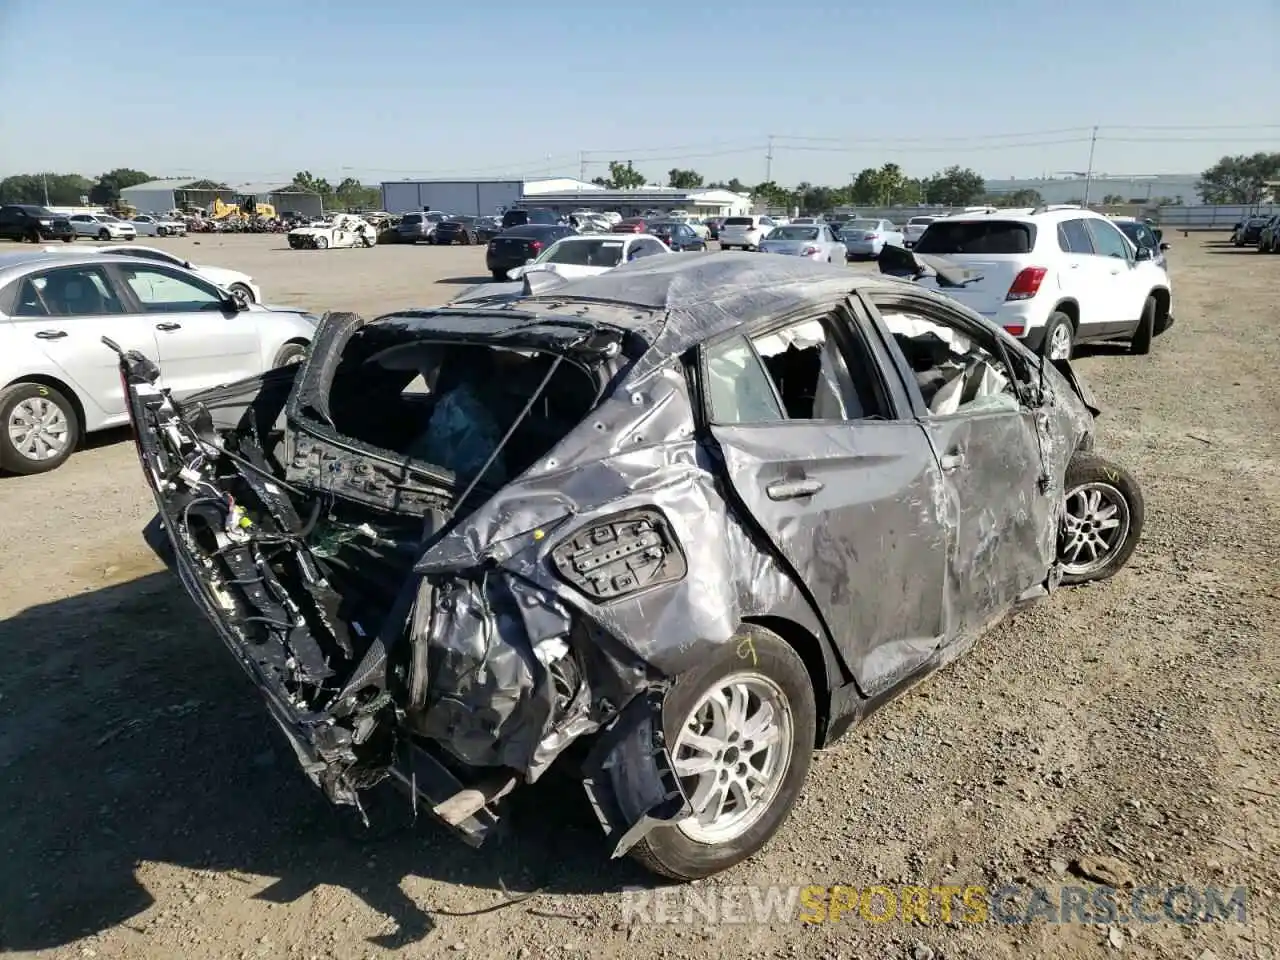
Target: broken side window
(955, 373)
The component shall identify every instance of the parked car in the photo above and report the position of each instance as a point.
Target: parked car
(1269, 236)
(713, 227)
(677, 235)
(487, 228)
(414, 227)
(1055, 278)
(519, 217)
(101, 226)
(811, 241)
(914, 229)
(344, 230)
(745, 232)
(516, 246)
(1144, 236)
(239, 285)
(649, 557)
(55, 308)
(586, 256)
(27, 221)
(1248, 231)
(456, 230)
(147, 225)
(630, 225)
(865, 238)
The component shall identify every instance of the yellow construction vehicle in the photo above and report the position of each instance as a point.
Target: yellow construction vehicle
(220, 210)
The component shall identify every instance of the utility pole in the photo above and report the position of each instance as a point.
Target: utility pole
(44, 181)
(768, 162)
(1088, 173)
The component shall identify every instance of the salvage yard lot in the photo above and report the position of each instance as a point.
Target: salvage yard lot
(150, 809)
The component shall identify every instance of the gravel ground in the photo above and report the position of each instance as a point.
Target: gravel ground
(151, 811)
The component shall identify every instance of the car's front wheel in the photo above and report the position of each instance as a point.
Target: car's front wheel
(1102, 519)
(38, 428)
(322, 243)
(741, 729)
(104, 235)
(290, 354)
(242, 293)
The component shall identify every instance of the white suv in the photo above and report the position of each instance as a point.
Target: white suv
(1055, 277)
(744, 232)
(102, 226)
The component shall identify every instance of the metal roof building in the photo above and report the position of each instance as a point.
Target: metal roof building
(633, 203)
(283, 196)
(175, 193)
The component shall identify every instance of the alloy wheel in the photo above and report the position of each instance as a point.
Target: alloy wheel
(1095, 526)
(732, 754)
(1060, 343)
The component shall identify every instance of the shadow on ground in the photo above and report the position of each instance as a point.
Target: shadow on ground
(1231, 251)
(460, 281)
(128, 734)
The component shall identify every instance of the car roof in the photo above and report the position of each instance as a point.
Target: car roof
(19, 262)
(1027, 216)
(675, 303)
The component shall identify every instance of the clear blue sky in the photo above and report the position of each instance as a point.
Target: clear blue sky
(384, 89)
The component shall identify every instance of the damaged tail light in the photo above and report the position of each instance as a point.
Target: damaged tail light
(535, 246)
(1026, 284)
(620, 555)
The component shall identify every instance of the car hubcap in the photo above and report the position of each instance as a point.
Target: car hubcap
(1060, 343)
(731, 756)
(241, 295)
(38, 429)
(1095, 525)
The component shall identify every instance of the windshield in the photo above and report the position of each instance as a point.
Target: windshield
(739, 222)
(107, 218)
(921, 221)
(412, 218)
(977, 236)
(862, 225)
(584, 253)
(793, 233)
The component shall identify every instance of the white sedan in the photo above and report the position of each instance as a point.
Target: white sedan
(239, 285)
(587, 255)
(102, 226)
(148, 226)
(811, 241)
(345, 230)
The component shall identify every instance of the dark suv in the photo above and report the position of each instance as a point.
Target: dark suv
(520, 218)
(27, 221)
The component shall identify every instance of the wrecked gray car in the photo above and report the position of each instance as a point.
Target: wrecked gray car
(676, 526)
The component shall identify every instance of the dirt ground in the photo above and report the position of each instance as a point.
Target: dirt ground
(150, 809)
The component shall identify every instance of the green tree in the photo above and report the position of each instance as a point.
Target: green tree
(64, 189)
(354, 195)
(622, 176)
(684, 179)
(733, 184)
(1239, 179)
(955, 187)
(1025, 197)
(1111, 199)
(107, 190)
(320, 185)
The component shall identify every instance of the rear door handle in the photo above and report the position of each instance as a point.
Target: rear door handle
(792, 489)
(951, 462)
(51, 334)
(168, 326)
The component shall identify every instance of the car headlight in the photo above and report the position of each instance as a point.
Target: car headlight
(621, 555)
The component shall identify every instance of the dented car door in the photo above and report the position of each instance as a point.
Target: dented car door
(846, 492)
(1001, 517)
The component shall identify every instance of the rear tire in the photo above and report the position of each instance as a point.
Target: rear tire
(1140, 345)
(35, 404)
(1059, 337)
(1118, 498)
(322, 243)
(764, 662)
(499, 275)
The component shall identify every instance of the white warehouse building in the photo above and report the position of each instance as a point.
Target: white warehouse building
(474, 198)
(563, 195)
